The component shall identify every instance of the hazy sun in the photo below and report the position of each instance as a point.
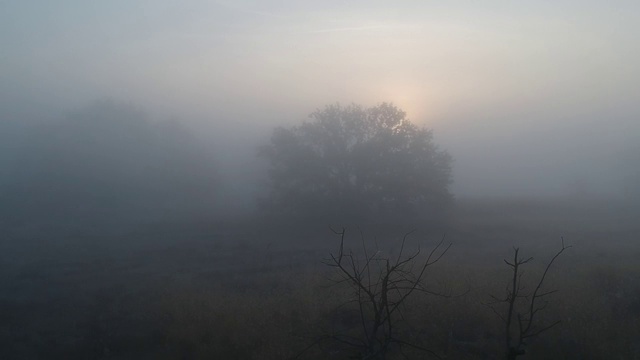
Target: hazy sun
(414, 100)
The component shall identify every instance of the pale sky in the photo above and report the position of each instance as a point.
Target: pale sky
(514, 90)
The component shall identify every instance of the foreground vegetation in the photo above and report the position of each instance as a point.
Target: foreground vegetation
(229, 291)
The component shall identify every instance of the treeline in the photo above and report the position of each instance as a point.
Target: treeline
(107, 162)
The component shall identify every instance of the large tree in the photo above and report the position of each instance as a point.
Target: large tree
(350, 160)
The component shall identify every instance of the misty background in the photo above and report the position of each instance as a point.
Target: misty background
(141, 216)
(534, 99)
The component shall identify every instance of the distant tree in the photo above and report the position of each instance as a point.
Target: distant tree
(109, 161)
(349, 160)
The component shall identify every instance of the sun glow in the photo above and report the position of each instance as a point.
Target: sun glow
(414, 100)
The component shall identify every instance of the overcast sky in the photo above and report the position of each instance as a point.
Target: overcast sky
(529, 96)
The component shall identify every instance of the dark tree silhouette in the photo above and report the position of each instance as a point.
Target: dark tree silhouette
(350, 160)
(523, 308)
(380, 287)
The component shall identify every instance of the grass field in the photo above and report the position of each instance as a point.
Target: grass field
(257, 290)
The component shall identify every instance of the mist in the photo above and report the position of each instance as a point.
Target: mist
(163, 157)
(527, 102)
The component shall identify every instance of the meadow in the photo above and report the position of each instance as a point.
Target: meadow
(255, 289)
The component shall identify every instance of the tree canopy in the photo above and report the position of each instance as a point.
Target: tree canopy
(350, 160)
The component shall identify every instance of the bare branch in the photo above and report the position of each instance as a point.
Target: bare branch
(534, 305)
(382, 285)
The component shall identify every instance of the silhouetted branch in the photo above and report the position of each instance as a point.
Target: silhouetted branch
(526, 321)
(381, 286)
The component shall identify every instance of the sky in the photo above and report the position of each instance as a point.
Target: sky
(530, 97)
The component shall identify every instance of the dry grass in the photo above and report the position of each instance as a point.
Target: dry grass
(263, 293)
(599, 309)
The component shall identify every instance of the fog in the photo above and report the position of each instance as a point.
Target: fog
(530, 100)
(133, 138)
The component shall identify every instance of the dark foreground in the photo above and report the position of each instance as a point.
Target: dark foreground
(253, 290)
